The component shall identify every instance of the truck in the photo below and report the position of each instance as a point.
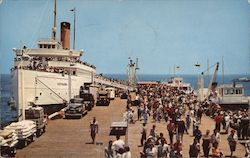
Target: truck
(24, 130)
(111, 92)
(124, 95)
(37, 115)
(102, 99)
(88, 98)
(8, 143)
(75, 109)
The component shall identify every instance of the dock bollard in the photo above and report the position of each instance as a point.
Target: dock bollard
(61, 114)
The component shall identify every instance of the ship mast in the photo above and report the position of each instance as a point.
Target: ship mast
(54, 27)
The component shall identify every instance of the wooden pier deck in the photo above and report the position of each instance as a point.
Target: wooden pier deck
(70, 138)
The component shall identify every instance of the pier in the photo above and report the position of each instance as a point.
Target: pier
(71, 137)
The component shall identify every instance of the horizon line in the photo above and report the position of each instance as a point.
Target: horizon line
(154, 74)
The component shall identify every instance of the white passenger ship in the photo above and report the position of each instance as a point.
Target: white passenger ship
(50, 74)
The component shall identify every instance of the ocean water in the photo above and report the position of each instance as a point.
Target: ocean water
(6, 115)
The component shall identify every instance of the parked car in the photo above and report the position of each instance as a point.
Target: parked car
(124, 95)
(75, 110)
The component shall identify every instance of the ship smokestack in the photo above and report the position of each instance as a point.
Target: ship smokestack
(65, 35)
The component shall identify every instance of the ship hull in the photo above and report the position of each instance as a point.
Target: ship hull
(44, 88)
(234, 106)
(234, 102)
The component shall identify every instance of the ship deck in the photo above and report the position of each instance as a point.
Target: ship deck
(71, 137)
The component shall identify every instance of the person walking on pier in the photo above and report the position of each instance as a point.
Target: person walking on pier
(153, 133)
(227, 122)
(171, 129)
(194, 149)
(247, 148)
(181, 128)
(139, 111)
(177, 147)
(109, 153)
(93, 129)
(151, 152)
(245, 126)
(232, 141)
(199, 114)
(143, 134)
(215, 138)
(218, 119)
(197, 134)
(163, 149)
(118, 145)
(188, 121)
(145, 112)
(206, 144)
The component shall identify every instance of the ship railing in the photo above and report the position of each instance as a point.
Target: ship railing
(240, 99)
(47, 40)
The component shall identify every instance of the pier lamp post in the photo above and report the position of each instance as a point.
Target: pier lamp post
(69, 79)
(197, 65)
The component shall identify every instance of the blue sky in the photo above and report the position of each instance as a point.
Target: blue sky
(161, 33)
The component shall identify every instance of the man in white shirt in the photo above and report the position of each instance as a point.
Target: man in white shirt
(151, 152)
(227, 121)
(93, 129)
(127, 153)
(118, 145)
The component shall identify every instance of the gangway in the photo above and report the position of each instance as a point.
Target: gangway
(111, 83)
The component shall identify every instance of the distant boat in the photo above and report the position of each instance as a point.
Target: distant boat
(231, 96)
(177, 82)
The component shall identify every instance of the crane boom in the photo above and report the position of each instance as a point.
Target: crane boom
(213, 80)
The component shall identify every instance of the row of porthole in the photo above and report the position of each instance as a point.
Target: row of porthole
(51, 93)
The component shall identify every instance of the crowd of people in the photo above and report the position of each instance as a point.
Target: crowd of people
(182, 111)
(117, 149)
(41, 63)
